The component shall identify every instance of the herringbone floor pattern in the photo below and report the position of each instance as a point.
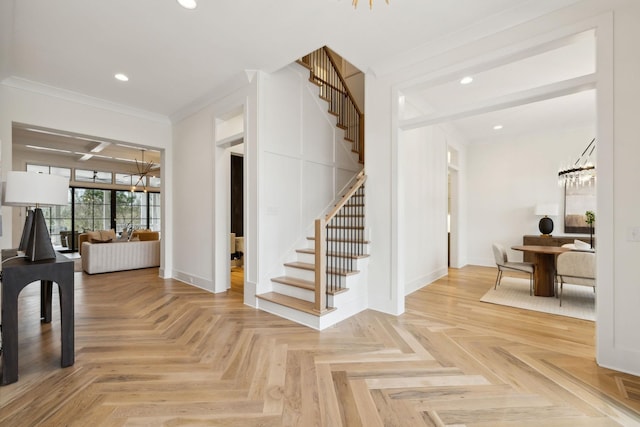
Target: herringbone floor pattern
(152, 352)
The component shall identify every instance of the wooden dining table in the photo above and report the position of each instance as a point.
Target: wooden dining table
(545, 267)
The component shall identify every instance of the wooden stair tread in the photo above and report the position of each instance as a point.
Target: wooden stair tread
(365, 242)
(301, 265)
(346, 227)
(292, 281)
(341, 272)
(312, 267)
(333, 254)
(291, 302)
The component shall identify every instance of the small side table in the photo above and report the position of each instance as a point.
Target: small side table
(17, 273)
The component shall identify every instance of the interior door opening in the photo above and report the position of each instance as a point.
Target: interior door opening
(236, 214)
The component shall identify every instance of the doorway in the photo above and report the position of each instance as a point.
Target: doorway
(236, 213)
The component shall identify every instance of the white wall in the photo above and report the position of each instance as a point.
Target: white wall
(423, 205)
(38, 105)
(619, 283)
(304, 162)
(193, 203)
(507, 178)
(202, 205)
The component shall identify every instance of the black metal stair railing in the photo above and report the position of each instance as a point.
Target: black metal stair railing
(333, 88)
(345, 240)
(339, 242)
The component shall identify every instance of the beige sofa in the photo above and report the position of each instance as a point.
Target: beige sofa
(102, 236)
(118, 256)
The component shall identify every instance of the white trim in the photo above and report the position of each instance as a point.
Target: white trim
(67, 95)
(541, 93)
(500, 22)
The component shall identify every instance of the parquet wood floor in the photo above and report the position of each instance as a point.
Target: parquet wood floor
(154, 352)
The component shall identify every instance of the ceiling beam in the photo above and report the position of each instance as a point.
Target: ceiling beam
(541, 93)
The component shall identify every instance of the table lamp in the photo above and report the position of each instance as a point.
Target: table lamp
(546, 224)
(35, 189)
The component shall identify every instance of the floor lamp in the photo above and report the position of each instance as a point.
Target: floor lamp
(35, 189)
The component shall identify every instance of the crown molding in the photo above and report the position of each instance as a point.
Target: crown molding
(497, 23)
(67, 95)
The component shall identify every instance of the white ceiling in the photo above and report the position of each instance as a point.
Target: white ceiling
(175, 57)
(549, 89)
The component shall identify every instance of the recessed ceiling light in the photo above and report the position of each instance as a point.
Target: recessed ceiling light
(188, 4)
(121, 77)
(497, 127)
(466, 80)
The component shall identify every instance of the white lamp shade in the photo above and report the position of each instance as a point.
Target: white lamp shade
(549, 209)
(35, 189)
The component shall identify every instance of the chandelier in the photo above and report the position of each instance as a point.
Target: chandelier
(355, 3)
(582, 172)
(143, 169)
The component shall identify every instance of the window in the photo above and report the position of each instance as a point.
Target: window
(59, 221)
(92, 209)
(154, 211)
(53, 170)
(131, 209)
(83, 175)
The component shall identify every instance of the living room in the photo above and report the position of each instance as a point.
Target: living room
(114, 189)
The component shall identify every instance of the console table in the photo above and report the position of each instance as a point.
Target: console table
(539, 240)
(17, 273)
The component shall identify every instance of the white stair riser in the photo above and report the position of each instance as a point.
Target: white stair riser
(340, 282)
(300, 273)
(353, 209)
(348, 221)
(346, 234)
(341, 247)
(310, 258)
(290, 313)
(293, 291)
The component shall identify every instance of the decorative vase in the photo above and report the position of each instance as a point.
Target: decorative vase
(545, 225)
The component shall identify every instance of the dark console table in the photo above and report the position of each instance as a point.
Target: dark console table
(17, 273)
(538, 240)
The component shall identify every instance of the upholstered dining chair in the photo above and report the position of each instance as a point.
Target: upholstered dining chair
(577, 268)
(503, 263)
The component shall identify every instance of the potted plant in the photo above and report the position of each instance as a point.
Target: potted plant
(590, 218)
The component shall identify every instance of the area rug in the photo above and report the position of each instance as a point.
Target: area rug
(577, 301)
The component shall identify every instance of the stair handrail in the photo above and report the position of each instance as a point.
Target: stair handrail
(320, 245)
(342, 80)
(360, 180)
(352, 99)
(344, 91)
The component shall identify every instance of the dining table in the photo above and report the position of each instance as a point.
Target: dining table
(545, 267)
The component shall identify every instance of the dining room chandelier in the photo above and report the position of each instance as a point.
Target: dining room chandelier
(355, 3)
(143, 169)
(582, 172)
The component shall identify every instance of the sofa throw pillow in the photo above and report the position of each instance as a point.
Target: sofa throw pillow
(92, 240)
(93, 235)
(108, 234)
